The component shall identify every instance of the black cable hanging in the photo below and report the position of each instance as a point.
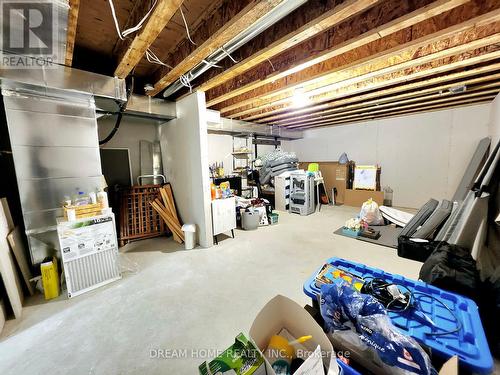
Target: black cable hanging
(123, 107)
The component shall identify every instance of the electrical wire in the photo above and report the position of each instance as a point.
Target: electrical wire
(211, 64)
(128, 31)
(153, 59)
(377, 288)
(272, 66)
(187, 28)
(228, 55)
(184, 80)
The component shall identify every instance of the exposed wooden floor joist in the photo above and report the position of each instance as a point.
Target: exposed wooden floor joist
(415, 86)
(318, 25)
(415, 96)
(157, 21)
(429, 108)
(390, 60)
(398, 24)
(403, 104)
(399, 77)
(250, 14)
(74, 7)
(323, 62)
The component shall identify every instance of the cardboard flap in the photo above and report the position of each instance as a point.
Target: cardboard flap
(281, 312)
(450, 367)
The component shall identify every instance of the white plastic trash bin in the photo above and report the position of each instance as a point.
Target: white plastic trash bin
(189, 236)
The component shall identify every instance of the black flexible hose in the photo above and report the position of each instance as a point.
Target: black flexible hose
(115, 128)
(119, 117)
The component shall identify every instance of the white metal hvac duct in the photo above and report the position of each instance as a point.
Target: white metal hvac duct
(222, 125)
(263, 23)
(55, 151)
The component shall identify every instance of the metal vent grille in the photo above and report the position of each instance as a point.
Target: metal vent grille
(91, 271)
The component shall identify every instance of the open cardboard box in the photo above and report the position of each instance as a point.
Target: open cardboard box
(281, 312)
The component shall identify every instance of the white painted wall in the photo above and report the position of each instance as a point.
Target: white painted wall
(132, 130)
(184, 146)
(220, 147)
(422, 156)
(494, 128)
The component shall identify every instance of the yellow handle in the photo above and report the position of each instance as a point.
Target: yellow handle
(300, 340)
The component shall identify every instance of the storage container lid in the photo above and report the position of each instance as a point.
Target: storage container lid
(189, 228)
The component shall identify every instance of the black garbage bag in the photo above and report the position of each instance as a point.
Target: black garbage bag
(452, 268)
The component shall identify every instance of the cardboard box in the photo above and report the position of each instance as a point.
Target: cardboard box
(334, 175)
(283, 313)
(356, 198)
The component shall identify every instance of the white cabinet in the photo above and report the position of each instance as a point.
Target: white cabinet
(223, 215)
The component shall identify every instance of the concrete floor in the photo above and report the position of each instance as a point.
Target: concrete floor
(176, 299)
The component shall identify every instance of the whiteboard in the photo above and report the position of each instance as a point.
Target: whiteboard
(365, 177)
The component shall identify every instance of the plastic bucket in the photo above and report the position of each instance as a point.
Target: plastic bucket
(189, 236)
(250, 220)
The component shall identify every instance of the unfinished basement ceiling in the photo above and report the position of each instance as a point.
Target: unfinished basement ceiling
(326, 63)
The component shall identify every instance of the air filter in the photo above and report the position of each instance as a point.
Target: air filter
(89, 252)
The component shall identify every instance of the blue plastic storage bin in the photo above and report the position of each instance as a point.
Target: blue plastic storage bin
(469, 343)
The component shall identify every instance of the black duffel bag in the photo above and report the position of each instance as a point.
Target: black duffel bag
(452, 268)
(415, 250)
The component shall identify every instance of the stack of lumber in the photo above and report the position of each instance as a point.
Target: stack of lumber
(166, 208)
(13, 264)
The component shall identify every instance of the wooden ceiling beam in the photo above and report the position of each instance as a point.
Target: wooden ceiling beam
(389, 100)
(401, 104)
(157, 21)
(406, 112)
(273, 118)
(438, 62)
(408, 20)
(74, 8)
(400, 77)
(322, 79)
(327, 20)
(241, 21)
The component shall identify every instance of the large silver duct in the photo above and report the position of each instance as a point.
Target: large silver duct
(55, 151)
(279, 12)
(106, 89)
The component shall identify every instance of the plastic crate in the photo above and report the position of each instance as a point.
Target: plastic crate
(469, 344)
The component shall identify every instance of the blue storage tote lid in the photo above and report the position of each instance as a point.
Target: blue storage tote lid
(469, 343)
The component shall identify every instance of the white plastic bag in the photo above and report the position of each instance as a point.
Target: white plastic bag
(370, 213)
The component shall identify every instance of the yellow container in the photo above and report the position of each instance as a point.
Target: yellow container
(280, 354)
(50, 279)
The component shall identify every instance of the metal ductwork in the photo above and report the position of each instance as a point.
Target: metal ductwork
(233, 127)
(61, 78)
(263, 23)
(145, 106)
